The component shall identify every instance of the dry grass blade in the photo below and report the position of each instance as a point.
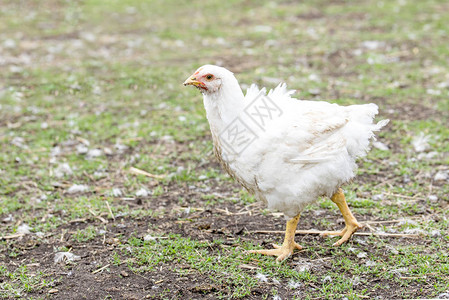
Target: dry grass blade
(110, 210)
(249, 267)
(144, 173)
(12, 236)
(337, 232)
(100, 269)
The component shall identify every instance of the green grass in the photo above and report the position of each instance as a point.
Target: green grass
(22, 281)
(85, 235)
(108, 75)
(224, 265)
(224, 268)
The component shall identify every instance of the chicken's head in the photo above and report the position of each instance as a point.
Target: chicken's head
(208, 78)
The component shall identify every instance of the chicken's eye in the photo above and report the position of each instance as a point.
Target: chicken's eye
(209, 76)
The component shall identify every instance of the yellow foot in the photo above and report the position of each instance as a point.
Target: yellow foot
(345, 234)
(282, 252)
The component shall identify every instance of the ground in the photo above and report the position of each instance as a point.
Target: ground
(92, 89)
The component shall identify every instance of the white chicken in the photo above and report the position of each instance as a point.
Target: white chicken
(285, 151)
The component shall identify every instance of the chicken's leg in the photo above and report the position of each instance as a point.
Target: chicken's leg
(351, 223)
(284, 251)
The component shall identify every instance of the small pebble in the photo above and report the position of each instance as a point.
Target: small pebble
(380, 145)
(440, 176)
(433, 198)
(81, 149)
(24, 228)
(108, 151)
(261, 277)
(378, 197)
(149, 238)
(370, 263)
(116, 192)
(124, 274)
(77, 188)
(142, 193)
(94, 153)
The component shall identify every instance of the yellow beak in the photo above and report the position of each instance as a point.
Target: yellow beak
(192, 81)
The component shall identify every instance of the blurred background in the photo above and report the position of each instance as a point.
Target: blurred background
(90, 89)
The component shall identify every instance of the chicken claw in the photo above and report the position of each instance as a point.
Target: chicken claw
(351, 223)
(284, 251)
(346, 233)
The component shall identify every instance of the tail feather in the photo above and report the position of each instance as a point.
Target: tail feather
(381, 124)
(360, 130)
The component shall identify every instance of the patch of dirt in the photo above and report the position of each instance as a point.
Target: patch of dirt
(416, 111)
(96, 277)
(90, 279)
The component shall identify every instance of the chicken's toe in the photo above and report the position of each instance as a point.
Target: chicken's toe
(282, 257)
(347, 232)
(333, 233)
(282, 252)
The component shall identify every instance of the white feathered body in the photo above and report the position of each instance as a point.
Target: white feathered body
(306, 151)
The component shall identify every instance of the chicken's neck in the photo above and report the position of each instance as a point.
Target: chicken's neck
(224, 106)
